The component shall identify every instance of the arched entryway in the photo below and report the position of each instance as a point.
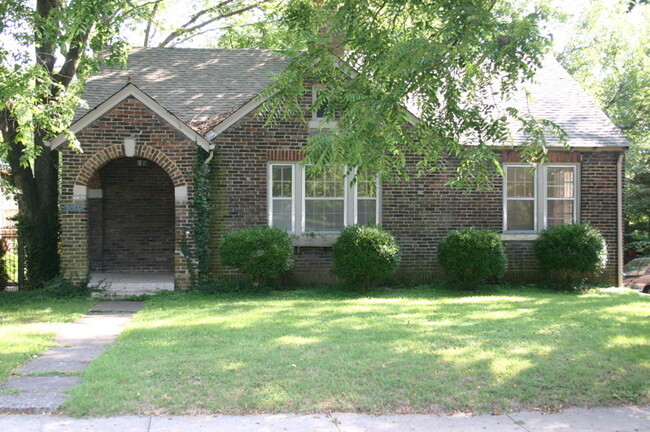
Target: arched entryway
(131, 218)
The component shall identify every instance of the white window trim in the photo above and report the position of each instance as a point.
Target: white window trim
(319, 122)
(350, 204)
(269, 176)
(541, 198)
(377, 202)
(346, 195)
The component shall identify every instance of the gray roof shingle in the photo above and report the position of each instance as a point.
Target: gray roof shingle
(195, 85)
(204, 86)
(554, 95)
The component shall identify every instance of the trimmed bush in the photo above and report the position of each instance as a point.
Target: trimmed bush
(365, 254)
(472, 256)
(262, 253)
(571, 252)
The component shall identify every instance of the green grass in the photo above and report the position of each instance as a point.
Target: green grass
(394, 351)
(28, 326)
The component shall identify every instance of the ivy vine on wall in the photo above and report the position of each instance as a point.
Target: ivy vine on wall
(198, 254)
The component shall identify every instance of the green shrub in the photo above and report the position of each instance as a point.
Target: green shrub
(262, 253)
(571, 252)
(60, 288)
(365, 254)
(472, 257)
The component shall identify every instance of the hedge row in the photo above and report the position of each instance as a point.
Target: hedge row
(470, 257)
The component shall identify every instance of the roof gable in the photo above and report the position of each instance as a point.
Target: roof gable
(196, 85)
(131, 90)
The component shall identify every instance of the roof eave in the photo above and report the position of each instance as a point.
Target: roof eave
(131, 90)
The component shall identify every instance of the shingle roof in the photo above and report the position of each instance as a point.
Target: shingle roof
(196, 85)
(202, 87)
(555, 95)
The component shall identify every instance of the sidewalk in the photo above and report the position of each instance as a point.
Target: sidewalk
(40, 385)
(619, 419)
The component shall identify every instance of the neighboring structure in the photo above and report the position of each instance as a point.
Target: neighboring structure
(125, 198)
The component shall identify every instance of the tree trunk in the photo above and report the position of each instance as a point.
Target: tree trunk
(38, 223)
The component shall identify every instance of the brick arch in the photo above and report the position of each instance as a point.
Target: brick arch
(101, 158)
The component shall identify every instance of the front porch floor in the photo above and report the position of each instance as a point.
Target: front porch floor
(120, 285)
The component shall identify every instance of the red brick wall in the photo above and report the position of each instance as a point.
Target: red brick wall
(103, 142)
(419, 213)
(137, 221)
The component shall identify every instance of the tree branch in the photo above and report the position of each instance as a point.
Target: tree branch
(75, 51)
(147, 33)
(189, 28)
(44, 46)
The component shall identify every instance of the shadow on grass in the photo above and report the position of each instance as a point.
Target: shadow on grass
(419, 350)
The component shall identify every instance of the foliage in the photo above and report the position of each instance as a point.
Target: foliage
(261, 252)
(39, 95)
(472, 256)
(41, 257)
(198, 254)
(637, 198)
(167, 26)
(5, 262)
(259, 29)
(571, 252)
(609, 55)
(365, 254)
(60, 288)
(442, 57)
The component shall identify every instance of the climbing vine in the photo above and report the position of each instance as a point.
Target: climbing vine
(198, 256)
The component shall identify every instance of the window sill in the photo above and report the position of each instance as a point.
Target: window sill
(519, 236)
(322, 124)
(315, 240)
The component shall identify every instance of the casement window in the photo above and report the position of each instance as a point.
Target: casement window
(302, 201)
(536, 197)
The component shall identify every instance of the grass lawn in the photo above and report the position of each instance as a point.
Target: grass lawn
(28, 326)
(391, 351)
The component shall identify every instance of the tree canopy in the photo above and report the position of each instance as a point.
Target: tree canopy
(609, 54)
(49, 47)
(372, 58)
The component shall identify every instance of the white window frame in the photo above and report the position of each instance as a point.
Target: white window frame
(377, 203)
(298, 190)
(540, 200)
(319, 122)
(574, 216)
(303, 213)
(269, 176)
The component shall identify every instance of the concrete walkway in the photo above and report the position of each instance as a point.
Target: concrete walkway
(39, 386)
(620, 419)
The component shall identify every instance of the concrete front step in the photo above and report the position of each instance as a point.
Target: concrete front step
(121, 285)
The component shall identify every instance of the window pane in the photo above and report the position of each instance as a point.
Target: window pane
(366, 211)
(520, 182)
(559, 212)
(282, 214)
(329, 183)
(521, 215)
(282, 181)
(366, 186)
(324, 215)
(560, 182)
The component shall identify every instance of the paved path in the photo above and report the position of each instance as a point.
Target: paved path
(620, 419)
(41, 383)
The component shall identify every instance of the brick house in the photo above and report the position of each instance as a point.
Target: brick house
(125, 197)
